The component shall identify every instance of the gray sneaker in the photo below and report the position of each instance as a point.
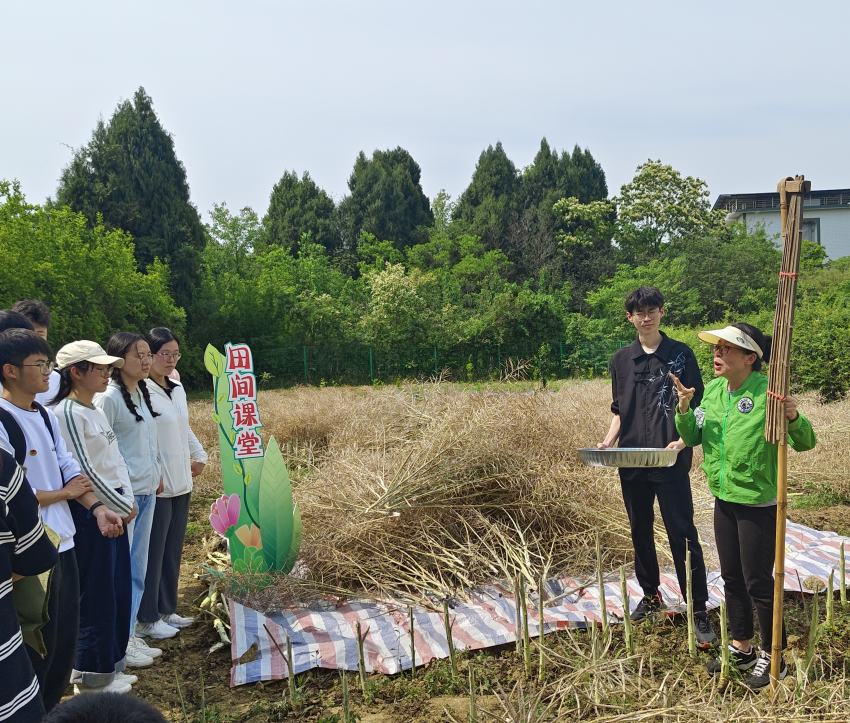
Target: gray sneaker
(706, 637)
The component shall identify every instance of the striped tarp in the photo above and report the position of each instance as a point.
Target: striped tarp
(324, 635)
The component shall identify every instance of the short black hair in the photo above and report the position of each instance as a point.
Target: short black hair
(159, 336)
(17, 344)
(764, 341)
(644, 297)
(105, 708)
(13, 320)
(36, 311)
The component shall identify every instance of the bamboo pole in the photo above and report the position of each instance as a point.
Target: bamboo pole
(791, 191)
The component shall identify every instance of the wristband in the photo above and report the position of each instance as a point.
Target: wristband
(93, 508)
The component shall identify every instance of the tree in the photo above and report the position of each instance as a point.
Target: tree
(486, 207)
(87, 275)
(128, 175)
(385, 200)
(297, 207)
(660, 206)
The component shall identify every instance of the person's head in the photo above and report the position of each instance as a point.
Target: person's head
(645, 308)
(25, 361)
(38, 314)
(738, 349)
(104, 708)
(84, 367)
(136, 353)
(165, 349)
(13, 320)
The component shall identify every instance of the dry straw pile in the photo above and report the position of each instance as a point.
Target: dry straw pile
(427, 490)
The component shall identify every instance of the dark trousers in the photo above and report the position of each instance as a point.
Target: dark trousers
(640, 488)
(746, 538)
(60, 632)
(104, 566)
(165, 552)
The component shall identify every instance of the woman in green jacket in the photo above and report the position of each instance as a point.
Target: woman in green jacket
(740, 466)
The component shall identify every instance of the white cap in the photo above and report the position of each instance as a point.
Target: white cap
(90, 351)
(733, 335)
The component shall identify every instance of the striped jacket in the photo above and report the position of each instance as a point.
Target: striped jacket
(24, 550)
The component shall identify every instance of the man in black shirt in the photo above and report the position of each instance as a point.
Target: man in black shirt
(644, 405)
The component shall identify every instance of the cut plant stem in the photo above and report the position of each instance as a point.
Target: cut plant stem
(627, 620)
(603, 607)
(541, 667)
(290, 664)
(813, 635)
(473, 713)
(842, 577)
(526, 638)
(692, 636)
(412, 644)
(829, 597)
(518, 615)
(361, 662)
(724, 643)
(449, 641)
(346, 703)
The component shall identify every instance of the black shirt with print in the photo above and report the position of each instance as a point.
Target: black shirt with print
(645, 398)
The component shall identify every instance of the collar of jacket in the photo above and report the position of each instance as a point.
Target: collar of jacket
(662, 352)
(748, 384)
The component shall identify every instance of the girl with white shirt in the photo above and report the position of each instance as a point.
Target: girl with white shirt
(127, 406)
(183, 457)
(103, 562)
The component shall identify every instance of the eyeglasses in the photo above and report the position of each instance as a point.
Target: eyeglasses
(723, 349)
(169, 355)
(45, 366)
(145, 357)
(104, 372)
(645, 313)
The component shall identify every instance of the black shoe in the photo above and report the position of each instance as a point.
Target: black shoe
(706, 637)
(737, 659)
(760, 677)
(648, 605)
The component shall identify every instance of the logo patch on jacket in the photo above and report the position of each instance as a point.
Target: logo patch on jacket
(745, 405)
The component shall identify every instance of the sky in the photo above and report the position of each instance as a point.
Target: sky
(739, 94)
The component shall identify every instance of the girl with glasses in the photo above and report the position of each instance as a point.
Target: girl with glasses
(103, 562)
(183, 457)
(127, 405)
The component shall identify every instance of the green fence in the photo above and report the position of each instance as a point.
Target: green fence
(366, 364)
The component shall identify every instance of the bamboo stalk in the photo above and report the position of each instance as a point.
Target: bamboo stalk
(627, 619)
(779, 564)
(603, 606)
(692, 630)
(725, 661)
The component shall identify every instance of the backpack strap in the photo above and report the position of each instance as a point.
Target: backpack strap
(15, 434)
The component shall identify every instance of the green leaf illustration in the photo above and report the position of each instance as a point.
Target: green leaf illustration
(295, 545)
(275, 507)
(213, 361)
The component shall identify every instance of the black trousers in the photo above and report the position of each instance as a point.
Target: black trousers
(640, 489)
(745, 538)
(60, 632)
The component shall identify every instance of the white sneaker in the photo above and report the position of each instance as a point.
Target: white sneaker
(135, 656)
(177, 621)
(160, 630)
(127, 678)
(114, 687)
(146, 649)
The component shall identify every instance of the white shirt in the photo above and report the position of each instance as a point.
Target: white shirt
(47, 465)
(136, 440)
(93, 444)
(178, 445)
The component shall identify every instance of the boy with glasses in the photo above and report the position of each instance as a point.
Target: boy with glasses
(32, 434)
(644, 409)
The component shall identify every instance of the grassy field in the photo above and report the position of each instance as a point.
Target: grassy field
(469, 469)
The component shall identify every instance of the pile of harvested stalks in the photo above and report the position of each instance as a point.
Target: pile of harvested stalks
(425, 491)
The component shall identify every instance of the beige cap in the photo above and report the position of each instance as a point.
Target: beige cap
(733, 335)
(90, 351)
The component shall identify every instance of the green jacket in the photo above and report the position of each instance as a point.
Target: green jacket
(739, 463)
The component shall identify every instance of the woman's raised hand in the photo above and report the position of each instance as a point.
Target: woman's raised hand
(685, 393)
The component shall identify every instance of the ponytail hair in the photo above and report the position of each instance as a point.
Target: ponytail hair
(66, 383)
(120, 344)
(764, 341)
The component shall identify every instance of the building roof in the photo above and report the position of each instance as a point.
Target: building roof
(770, 201)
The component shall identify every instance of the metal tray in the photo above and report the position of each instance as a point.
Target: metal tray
(628, 457)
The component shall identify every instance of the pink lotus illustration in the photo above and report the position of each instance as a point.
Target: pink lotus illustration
(249, 535)
(224, 513)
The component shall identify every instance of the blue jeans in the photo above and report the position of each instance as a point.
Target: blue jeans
(139, 534)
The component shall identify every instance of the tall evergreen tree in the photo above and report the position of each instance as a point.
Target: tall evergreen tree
(129, 173)
(298, 206)
(486, 207)
(385, 200)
